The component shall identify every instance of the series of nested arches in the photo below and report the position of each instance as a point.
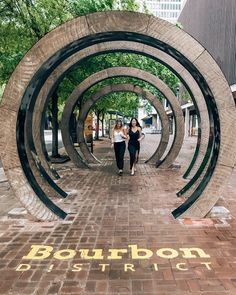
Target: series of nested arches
(23, 151)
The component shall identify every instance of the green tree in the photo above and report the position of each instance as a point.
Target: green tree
(116, 101)
(24, 22)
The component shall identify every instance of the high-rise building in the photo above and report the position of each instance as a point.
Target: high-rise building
(165, 9)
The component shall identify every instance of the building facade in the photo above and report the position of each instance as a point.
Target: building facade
(213, 24)
(165, 9)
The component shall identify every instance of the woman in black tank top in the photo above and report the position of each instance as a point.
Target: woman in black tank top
(135, 136)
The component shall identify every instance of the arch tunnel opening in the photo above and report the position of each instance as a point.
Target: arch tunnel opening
(197, 66)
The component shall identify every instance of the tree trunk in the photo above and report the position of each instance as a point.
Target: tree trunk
(103, 115)
(55, 125)
(97, 127)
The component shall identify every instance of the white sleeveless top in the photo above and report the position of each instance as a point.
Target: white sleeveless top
(117, 136)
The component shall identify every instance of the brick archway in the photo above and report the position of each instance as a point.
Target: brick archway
(158, 153)
(120, 72)
(19, 98)
(57, 75)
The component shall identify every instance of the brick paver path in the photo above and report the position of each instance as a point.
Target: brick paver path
(120, 237)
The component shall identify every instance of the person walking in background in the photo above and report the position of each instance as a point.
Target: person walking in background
(135, 136)
(118, 141)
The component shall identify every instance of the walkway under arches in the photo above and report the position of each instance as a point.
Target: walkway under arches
(111, 212)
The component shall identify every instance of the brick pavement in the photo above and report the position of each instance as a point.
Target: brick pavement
(120, 237)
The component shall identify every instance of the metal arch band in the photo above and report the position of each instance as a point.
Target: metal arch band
(35, 163)
(147, 40)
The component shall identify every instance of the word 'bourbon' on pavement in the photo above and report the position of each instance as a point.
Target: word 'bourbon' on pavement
(39, 252)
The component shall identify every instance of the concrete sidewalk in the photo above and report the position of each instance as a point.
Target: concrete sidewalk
(120, 237)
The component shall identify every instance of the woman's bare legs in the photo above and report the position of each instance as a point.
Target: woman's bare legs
(133, 169)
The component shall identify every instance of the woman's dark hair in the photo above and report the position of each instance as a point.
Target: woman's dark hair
(137, 123)
(118, 121)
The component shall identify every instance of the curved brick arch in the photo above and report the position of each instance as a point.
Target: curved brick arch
(156, 54)
(123, 72)
(124, 88)
(166, 59)
(39, 62)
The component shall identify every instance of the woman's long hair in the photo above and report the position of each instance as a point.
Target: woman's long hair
(137, 122)
(117, 122)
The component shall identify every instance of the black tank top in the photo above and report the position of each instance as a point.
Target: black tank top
(133, 136)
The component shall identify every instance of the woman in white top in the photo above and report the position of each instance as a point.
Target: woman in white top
(118, 141)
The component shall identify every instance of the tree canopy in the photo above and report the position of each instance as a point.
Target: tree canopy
(24, 22)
